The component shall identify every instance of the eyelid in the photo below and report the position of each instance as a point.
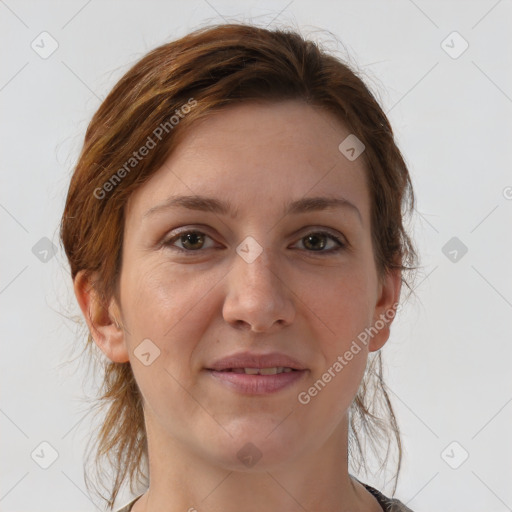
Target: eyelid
(324, 231)
(338, 238)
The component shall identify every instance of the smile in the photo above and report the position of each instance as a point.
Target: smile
(257, 381)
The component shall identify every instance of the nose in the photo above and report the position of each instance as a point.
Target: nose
(258, 297)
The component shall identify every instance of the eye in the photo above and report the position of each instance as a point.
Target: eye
(316, 242)
(194, 240)
(191, 241)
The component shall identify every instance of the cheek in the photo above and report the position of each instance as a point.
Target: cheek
(165, 316)
(342, 310)
(340, 304)
(160, 297)
(170, 308)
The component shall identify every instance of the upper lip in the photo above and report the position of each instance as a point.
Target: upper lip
(253, 360)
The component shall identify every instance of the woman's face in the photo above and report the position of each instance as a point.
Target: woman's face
(257, 278)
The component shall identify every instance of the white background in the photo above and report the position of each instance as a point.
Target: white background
(448, 359)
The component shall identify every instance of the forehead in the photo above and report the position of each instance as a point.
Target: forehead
(259, 155)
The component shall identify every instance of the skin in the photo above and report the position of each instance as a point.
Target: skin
(310, 304)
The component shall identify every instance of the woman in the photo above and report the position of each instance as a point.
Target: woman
(234, 232)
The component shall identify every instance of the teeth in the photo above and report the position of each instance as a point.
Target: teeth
(270, 371)
(265, 371)
(261, 371)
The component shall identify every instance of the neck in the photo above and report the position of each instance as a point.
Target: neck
(182, 479)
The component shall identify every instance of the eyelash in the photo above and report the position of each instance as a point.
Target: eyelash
(189, 252)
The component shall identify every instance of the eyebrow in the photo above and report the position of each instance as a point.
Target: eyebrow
(210, 204)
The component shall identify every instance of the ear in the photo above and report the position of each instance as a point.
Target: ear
(102, 318)
(385, 308)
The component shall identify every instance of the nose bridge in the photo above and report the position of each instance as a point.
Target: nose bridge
(256, 272)
(256, 294)
(260, 269)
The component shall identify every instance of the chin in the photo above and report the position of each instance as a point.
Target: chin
(257, 446)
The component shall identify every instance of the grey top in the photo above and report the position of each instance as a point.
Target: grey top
(387, 504)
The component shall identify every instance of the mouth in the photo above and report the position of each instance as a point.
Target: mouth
(260, 371)
(257, 381)
(252, 373)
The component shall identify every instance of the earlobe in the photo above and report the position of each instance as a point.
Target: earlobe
(385, 309)
(101, 317)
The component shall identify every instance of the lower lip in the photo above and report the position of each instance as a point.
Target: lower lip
(257, 384)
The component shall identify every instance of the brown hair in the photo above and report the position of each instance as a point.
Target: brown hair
(209, 69)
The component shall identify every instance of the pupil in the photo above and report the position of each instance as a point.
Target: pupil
(314, 238)
(191, 238)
